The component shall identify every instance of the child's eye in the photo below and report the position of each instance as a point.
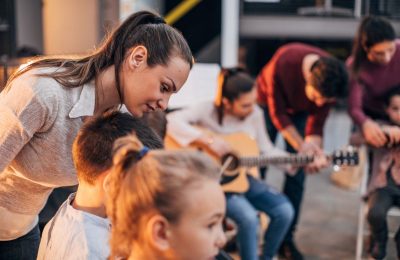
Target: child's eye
(211, 225)
(164, 88)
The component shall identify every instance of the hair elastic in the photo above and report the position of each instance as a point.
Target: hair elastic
(143, 152)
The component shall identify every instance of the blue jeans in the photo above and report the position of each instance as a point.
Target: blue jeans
(22, 248)
(294, 185)
(242, 209)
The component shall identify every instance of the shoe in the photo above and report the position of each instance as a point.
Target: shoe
(289, 251)
(378, 250)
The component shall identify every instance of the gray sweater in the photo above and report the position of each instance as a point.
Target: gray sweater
(39, 120)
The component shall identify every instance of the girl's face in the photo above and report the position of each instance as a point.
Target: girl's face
(381, 53)
(198, 233)
(147, 89)
(243, 105)
(393, 110)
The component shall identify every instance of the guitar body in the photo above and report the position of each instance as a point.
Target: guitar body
(242, 145)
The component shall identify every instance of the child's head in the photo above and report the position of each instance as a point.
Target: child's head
(392, 104)
(236, 93)
(164, 204)
(92, 148)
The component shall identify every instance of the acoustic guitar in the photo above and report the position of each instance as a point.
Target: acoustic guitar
(246, 159)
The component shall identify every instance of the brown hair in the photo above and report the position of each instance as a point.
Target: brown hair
(92, 147)
(142, 184)
(232, 83)
(372, 30)
(141, 28)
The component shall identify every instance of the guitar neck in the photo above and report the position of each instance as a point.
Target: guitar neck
(261, 161)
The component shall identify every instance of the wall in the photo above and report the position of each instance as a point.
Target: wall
(70, 27)
(29, 31)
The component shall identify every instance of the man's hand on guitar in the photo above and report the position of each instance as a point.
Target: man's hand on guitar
(320, 161)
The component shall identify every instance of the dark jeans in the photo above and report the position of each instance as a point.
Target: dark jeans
(23, 248)
(379, 203)
(294, 185)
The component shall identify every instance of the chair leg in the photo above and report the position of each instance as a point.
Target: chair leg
(361, 215)
(360, 231)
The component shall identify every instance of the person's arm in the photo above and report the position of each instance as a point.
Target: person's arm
(180, 124)
(262, 138)
(292, 136)
(24, 111)
(355, 102)
(266, 146)
(371, 130)
(180, 128)
(277, 107)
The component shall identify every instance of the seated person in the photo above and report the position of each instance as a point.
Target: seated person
(164, 204)
(384, 185)
(80, 229)
(235, 111)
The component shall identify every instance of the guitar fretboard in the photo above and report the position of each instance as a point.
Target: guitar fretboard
(262, 161)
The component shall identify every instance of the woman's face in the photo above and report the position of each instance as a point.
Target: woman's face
(147, 89)
(198, 233)
(381, 53)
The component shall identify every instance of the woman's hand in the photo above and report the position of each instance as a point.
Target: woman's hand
(216, 144)
(373, 133)
(219, 146)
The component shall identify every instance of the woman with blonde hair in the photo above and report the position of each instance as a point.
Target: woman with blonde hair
(164, 204)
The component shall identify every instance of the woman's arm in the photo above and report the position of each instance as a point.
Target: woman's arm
(24, 110)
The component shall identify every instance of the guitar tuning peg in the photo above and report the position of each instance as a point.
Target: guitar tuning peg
(336, 168)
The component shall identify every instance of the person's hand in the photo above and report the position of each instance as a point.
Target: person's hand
(309, 148)
(392, 134)
(291, 170)
(373, 133)
(320, 161)
(218, 146)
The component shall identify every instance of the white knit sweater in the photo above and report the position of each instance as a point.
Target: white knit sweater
(39, 120)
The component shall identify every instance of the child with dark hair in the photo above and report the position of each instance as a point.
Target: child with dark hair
(80, 229)
(384, 185)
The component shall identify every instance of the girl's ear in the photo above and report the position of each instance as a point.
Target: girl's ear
(227, 104)
(157, 230)
(106, 183)
(137, 57)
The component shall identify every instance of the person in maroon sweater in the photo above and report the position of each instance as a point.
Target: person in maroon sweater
(296, 90)
(374, 69)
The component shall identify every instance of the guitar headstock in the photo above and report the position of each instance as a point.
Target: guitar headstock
(348, 156)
